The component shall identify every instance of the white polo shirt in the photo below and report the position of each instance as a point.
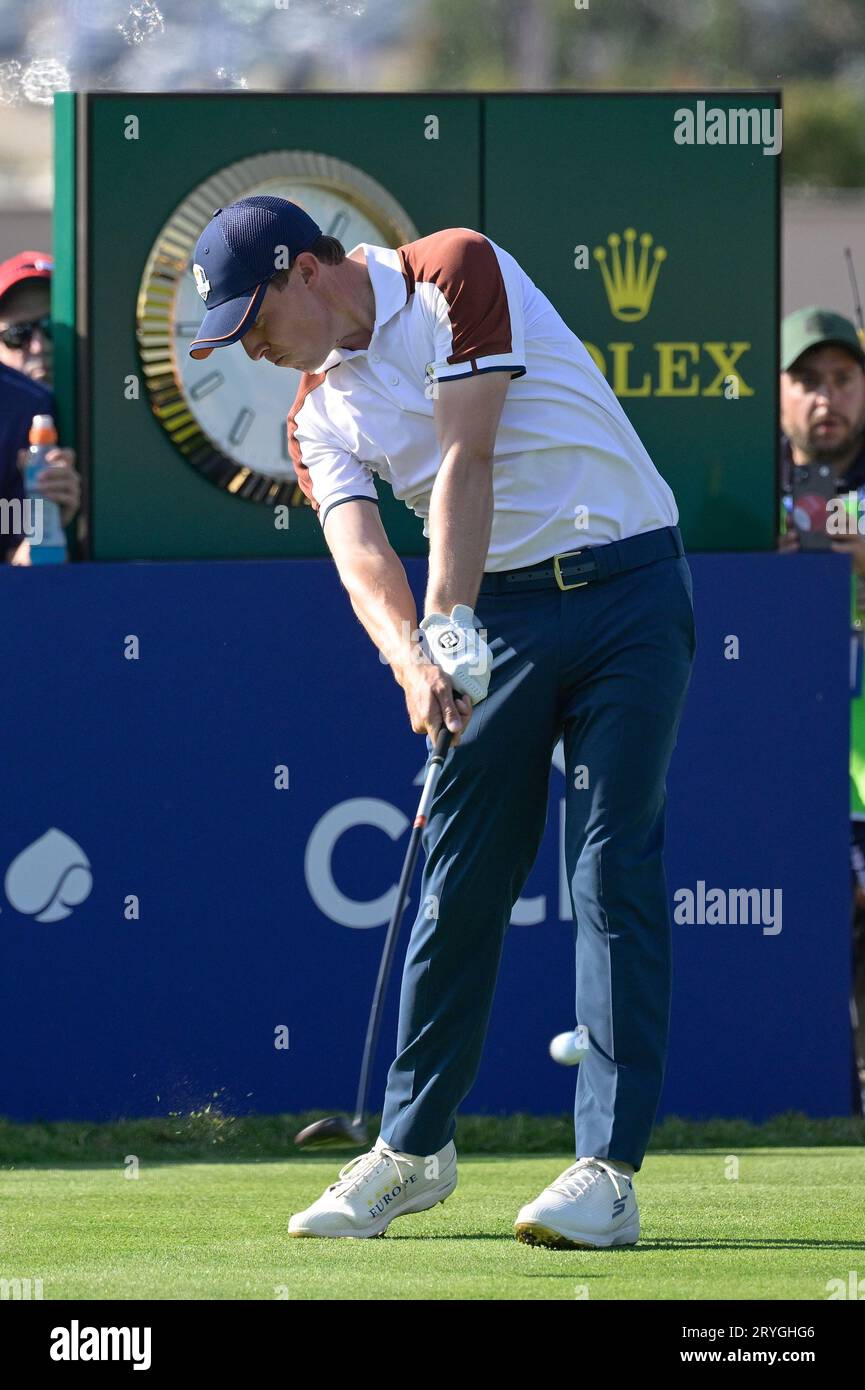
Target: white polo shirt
(568, 467)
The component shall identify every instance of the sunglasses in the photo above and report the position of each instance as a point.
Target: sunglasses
(19, 335)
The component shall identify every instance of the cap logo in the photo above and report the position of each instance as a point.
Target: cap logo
(202, 284)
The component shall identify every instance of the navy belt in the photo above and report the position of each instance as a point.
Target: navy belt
(575, 568)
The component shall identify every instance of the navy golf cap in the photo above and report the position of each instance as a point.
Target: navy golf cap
(241, 247)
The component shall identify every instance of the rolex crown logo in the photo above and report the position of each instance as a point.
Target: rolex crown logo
(630, 286)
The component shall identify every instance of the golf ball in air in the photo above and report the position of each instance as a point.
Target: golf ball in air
(570, 1048)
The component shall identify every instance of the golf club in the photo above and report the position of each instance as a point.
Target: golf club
(340, 1128)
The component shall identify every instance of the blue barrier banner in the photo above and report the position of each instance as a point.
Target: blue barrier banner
(208, 778)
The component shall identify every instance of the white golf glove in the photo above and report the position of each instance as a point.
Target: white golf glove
(456, 646)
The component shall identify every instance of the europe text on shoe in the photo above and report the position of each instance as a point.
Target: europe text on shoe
(374, 1188)
(590, 1204)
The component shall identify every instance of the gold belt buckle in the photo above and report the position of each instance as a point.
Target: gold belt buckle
(557, 570)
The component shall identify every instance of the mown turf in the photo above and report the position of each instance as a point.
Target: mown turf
(793, 1220)
(209, 1132)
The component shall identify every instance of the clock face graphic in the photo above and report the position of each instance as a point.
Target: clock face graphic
(226, 414)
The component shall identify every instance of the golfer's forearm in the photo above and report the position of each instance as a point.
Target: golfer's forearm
(460, 521)
(384, 603)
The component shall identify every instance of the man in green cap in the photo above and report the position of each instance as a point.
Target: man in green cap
(822, 389)
(823, 422)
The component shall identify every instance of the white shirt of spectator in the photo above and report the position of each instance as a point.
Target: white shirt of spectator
(568, 467)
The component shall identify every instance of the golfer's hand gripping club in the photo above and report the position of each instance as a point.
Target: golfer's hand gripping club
(456, 647)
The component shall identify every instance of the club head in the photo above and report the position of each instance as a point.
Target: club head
(336, 1129)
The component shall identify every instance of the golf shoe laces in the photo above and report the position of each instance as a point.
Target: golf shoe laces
(365, 1166)
(579, 1177)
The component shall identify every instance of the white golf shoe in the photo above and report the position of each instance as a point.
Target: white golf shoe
(374, 1188)
(590, 1204)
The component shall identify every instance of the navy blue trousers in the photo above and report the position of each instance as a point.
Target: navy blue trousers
(605, 667)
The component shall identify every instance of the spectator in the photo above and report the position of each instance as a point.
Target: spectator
(25, 315)
(25, 378)
(823, 421)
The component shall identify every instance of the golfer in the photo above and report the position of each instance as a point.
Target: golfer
(558, 606)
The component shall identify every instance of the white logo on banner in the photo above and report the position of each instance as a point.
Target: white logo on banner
(48, 878)
(382, 815)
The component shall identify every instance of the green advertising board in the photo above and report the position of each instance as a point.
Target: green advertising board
(661, 256)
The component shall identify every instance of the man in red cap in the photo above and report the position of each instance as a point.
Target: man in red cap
(25, 314)
(25, 391)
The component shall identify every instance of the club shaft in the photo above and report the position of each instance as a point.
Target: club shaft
(434, 768)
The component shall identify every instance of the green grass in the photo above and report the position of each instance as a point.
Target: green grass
(209, 1133)
(793, 1220)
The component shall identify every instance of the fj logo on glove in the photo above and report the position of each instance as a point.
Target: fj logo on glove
(459, 648)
